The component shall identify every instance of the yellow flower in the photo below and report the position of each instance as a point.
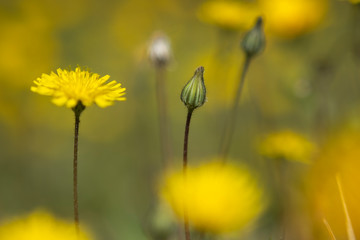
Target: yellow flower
(40, 225)
(218, 197)
(71, 87)
(290, 19)
(288, 145)
(354, 1)
(228, 14)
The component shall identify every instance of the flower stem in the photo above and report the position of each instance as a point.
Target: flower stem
(230, 123)
(185, 164)
(75, 172)
(162, 113)
(77, 111)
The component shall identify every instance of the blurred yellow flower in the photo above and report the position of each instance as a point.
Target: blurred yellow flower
(70, 87)
(340, 156)
(290, 19)
(287, 145)
(354, 1)
(31, 55)
(228, 14)
(219, 197)
(40, 225)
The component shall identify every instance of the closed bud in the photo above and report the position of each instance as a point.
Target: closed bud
(254, 40)
(159, 50)
(193, 94)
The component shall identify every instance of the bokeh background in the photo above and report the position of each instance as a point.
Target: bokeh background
(306, 81)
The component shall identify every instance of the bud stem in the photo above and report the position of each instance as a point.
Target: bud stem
(230, 122)
(185, 164)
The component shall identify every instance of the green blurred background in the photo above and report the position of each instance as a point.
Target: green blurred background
(307, 80)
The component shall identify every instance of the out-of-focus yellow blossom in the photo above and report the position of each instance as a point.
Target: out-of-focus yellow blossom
(287, 145)
(218, 197)
(228, 14)
(40, 225)
(340, 156)
(290, 19)
(39, 21)
(67, 12)
(32, 53)
(71, 87)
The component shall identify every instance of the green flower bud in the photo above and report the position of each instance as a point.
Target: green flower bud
(193, 94)
(254, 40)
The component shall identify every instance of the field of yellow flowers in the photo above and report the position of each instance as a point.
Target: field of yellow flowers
(179, 120)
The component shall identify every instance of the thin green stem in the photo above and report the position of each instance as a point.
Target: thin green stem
(75, 172)
(186, 137)
(162, 113)
(185, 164)
(230, 123)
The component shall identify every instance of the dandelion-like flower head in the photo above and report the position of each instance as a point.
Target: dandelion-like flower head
(71, 87)
(40, 225)
(287, 145)
(218, 197)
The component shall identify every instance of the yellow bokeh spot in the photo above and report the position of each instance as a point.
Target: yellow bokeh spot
(228, 14)
(218, 197)
(40, 225)
(288, 145)
(339, 156)
(27, 46)
(290, 19)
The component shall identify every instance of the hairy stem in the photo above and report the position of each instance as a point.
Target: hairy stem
(75, 172)
(77, 110)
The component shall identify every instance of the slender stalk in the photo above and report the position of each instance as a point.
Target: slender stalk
(75, 172)
(230, 124)
(186, 137)
(185, 164)
(162, 113)
(77, 111)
